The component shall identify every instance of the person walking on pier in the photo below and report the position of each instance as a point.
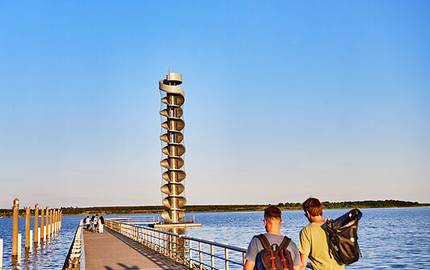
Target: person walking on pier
(313, 239)
(100, 224)
(87, 222)
(272, 250)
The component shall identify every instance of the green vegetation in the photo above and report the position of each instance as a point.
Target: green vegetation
(226, 208)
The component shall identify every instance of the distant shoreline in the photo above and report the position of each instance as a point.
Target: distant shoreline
(106, 210)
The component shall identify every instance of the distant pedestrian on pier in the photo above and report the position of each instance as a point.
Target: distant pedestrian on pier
(96, 223)
(272, 250)
(100, 224)
(313, 239)
(87, 223)
(92, 223)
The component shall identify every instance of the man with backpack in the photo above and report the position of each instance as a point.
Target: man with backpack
(272, 250)
(313, 239)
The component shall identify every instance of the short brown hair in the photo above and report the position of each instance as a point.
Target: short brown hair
(272, 212)
(313, 206)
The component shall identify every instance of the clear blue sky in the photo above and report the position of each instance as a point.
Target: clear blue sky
(284, 100)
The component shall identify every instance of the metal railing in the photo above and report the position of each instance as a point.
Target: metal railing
(193, 252)
(76, 256)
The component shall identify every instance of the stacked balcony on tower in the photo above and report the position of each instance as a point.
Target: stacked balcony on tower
(173, 163)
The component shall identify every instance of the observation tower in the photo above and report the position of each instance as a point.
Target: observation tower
(172, 96)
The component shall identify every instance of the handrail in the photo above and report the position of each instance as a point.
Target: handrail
(75, 258)
(192, 252)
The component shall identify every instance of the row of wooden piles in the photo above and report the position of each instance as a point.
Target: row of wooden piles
(46, 223)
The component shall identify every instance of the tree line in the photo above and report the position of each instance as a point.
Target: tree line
(104, 210)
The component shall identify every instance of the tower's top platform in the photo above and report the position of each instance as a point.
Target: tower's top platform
(174, 76)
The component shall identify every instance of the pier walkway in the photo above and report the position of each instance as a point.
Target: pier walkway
(113, 251)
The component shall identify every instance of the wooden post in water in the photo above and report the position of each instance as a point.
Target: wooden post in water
(48, 213)
(27, 228)
(36, 225)
(42, 224)
(55, 221)
(30, 248)
(61, 218)
(51, 215)
(46, 222)
(19, 246)
(15, 218)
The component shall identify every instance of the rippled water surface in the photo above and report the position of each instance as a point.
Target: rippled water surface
(50, 255)
(389, 238)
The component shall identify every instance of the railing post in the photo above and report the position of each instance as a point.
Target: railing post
(159, 242)
(36, 225)
(212, 257)
(182, 248)
(200, 255)
(170, 246)
(190, 253)
(15, 214)
(226, 258)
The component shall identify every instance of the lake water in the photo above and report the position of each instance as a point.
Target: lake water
(389, 238)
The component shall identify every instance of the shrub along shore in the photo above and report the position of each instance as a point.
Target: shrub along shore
(105, 210)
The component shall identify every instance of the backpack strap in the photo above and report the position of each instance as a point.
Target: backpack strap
(286, 262)
(285, 242)
(264, 241)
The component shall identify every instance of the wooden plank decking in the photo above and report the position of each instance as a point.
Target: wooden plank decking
(112, 251)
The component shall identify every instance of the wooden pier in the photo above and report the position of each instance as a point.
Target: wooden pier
(113, 251)
(124, 245)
